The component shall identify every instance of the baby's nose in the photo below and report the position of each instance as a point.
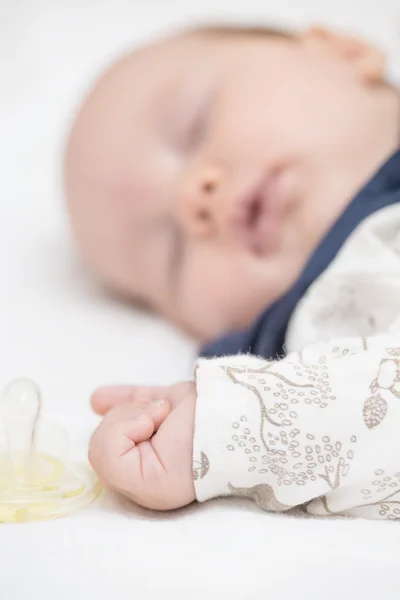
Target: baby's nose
(202, 208)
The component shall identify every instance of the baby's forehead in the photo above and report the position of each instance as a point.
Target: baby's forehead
(144, 71)
(174, 49)
(177, 50)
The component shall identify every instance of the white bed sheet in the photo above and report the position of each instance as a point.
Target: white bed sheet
(57, 327)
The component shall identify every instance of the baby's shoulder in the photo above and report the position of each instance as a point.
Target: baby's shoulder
(359, 292)
(372, 248)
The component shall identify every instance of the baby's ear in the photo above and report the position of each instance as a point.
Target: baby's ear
(368, 61)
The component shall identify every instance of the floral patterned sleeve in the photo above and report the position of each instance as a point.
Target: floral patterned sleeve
(318, 429)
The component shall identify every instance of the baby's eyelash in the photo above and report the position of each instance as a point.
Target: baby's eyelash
(197, 128)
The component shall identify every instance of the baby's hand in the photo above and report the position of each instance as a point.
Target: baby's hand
(143, 446)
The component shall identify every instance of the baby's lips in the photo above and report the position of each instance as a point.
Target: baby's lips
(256, 223)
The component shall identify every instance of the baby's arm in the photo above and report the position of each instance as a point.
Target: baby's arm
(318, 429)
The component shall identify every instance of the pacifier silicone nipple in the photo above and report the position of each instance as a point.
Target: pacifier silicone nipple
(35, 482)
(19, 410)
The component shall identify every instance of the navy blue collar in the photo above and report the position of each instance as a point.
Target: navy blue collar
(266, 337)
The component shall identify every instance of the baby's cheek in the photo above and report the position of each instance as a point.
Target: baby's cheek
(202, 304)
(220, 294)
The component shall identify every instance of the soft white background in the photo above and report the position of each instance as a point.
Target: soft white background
(57, 327)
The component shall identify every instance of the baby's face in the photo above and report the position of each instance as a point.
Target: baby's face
(202, 171)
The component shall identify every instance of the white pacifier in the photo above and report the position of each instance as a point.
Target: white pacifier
(36, 482)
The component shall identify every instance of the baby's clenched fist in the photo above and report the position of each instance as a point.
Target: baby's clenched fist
(143, 447)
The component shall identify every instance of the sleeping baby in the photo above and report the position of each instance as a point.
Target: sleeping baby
(245, 184)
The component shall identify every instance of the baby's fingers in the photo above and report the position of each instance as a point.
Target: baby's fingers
(106, 398)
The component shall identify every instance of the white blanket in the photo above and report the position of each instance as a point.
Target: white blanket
(59, 328)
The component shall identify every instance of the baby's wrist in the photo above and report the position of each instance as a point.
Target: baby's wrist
(220, 426)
